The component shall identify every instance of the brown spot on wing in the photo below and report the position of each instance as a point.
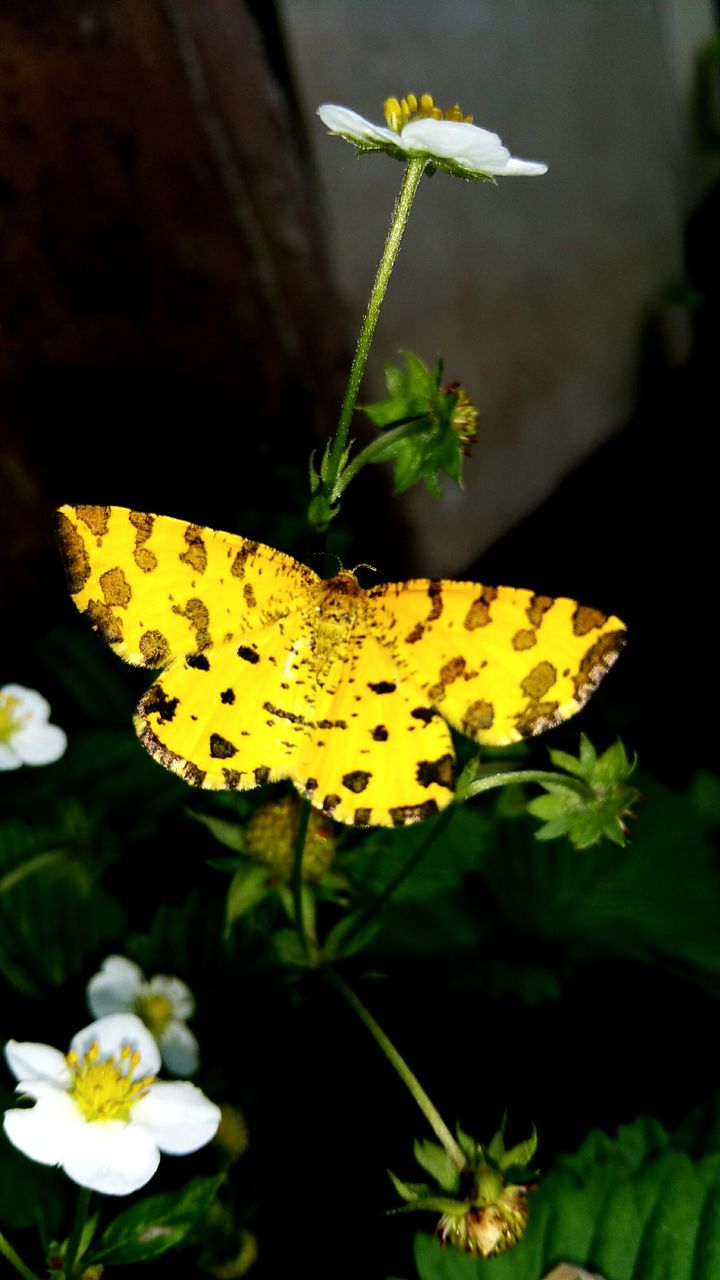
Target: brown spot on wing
(362, 817)
(436, 601)
(523, 639)
(157, 749)
(154, 648)
(416, 634)
(245, 553)
(539, 680)
(196, 553)
(403, 814)
(439, 771)
(383, 686)
(233, 778)
(221, 748)
(598, 659)
(537, 717)
(478, 716)
(330, 804)
(586, 619)
(426, 714)
(197, 661)
(193, 774)
(537, 608)
(228, 697)
(249, 595)
(380, 733)
(197, 615)
(478, 615)
(96, 519)
(156, 702)
(261, 775)
(75, 557)
(248, 654)
(357, 780)
(101, 617)
(116, 588)
(145, 559)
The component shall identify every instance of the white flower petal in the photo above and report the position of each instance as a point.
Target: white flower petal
(113, 1032)
(31, 703)
(348, 123)
(116, 987)
(180, 996)
(40, 743)
(9, 759)
(179, 1049)
(177, 1116)
(466, 144)
(526, 167)
(46, 1131)
(113, 1156)
(29, 1061)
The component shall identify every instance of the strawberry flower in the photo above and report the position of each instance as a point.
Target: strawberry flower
(26, 737)
(417, 128)
(100, 1112)
(164, 1003)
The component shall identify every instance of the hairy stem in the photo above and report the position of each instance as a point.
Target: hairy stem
(409, 1079)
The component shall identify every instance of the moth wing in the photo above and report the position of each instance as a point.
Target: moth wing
(499, 663)
(157, 588)
(379, 754)
(360, 744)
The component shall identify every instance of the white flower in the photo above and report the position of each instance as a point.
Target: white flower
(419, 128)
(25, 735)
(163, 1003)
(99, 1112)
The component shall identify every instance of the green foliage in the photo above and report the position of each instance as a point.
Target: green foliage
(641, 1206)
(431, 425)
(153, 1225)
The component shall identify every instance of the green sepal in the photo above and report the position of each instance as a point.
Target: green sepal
(334, 946)
(420, 414)
(592, 812)
(249, 885)
(470, 1147)
(156, 1224)
(435, 1160)
(230, 834)
(408, 1190)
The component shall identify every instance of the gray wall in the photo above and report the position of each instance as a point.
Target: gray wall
(535, 291)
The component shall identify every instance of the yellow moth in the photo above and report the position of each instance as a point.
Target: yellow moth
(270, 672)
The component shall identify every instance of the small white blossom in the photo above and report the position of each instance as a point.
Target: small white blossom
(164, 1004)
(416, 127)
(26, 737)
(99, 1111)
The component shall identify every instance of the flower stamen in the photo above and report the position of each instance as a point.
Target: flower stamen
(399, 112)
(106, 1089)
(10, 720)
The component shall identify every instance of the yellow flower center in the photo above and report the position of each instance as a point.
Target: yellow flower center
(10, 720)
(106, 1089)
(399, 112)
(155, 1011)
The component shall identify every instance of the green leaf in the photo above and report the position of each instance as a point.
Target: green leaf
(156, 1224)
(229, 834)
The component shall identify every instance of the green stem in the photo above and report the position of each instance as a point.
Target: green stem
(379, 445)
(431, 1113)
(15, 1260)
(362, 918)
(297, 881)
(81, 1214)
(411, 179)
(519, 776)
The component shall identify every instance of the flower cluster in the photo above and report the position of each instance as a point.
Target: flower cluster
(100, 1112)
